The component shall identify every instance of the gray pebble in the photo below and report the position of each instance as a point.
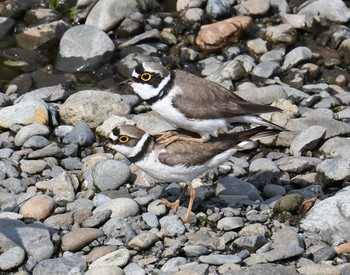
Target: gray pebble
(250, 243)
(51, 150)
(81, 134)
(14, 185)
(195, 250)
(5, 153)
(271, 190)
(60, 265)
(30, 130)
(34, 238)
(157, 208)
(36, 142)
(230, 223)
(172, 225)
(97, 219)
(71, 163)
(117, 227)
(150, 219)
(216, 259)
(108, 174)
(307, 140)
(12, 258)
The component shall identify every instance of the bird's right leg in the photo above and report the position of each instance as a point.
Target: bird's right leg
(175, 205)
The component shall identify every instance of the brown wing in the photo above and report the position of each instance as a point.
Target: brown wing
(194, 153)
(189, 154)
(214, 101)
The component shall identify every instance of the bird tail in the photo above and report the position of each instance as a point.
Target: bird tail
(248, 137)
(256, 120)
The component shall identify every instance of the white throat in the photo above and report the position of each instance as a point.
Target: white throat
(147, 91)
(130, 152)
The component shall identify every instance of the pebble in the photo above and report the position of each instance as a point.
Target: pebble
(307, 140)
(110, 270)
(61, 265)
(215, 36)
(122, 207)
(143, 241)
(230, 223)
(80, 237)
(219, 259)
(172, 226)
(30, 130)
(107, 175)
(38, 207)
(118, 258)
(34, 238)
(12, 258)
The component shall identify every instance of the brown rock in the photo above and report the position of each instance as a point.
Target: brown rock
(216, 36)
(81, 215)
(143, 241)
(98, 252)
(313, 69)
(80, 237)
(38, 207)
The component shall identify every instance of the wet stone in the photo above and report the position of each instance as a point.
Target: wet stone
(85, 58)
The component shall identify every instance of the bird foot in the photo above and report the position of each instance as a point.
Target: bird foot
(173, 205)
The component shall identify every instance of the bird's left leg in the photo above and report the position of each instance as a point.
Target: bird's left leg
(190, 204)
(175, 205)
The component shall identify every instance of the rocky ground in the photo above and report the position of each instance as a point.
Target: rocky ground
(70, 207)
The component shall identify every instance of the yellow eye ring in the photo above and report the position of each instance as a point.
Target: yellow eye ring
(146, 77)
(123, 139)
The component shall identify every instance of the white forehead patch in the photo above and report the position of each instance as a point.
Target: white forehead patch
(135, 74)
(112, 136)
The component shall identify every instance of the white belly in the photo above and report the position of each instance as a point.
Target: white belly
(179, 173)
(204, 127)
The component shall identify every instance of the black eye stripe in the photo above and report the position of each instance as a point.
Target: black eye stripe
(116, 131)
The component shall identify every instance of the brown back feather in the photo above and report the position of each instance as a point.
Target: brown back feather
(214, 102)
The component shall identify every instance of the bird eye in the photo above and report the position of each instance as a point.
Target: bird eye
(146, 77)
(123, 139)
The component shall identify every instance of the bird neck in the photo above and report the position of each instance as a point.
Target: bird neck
(164, 91)
(145, 144)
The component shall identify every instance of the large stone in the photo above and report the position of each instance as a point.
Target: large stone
(108, 13)
(84, 48)
(330, 218)
(34, 238)
(90, 106)
(333, 10)
(24, 113)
